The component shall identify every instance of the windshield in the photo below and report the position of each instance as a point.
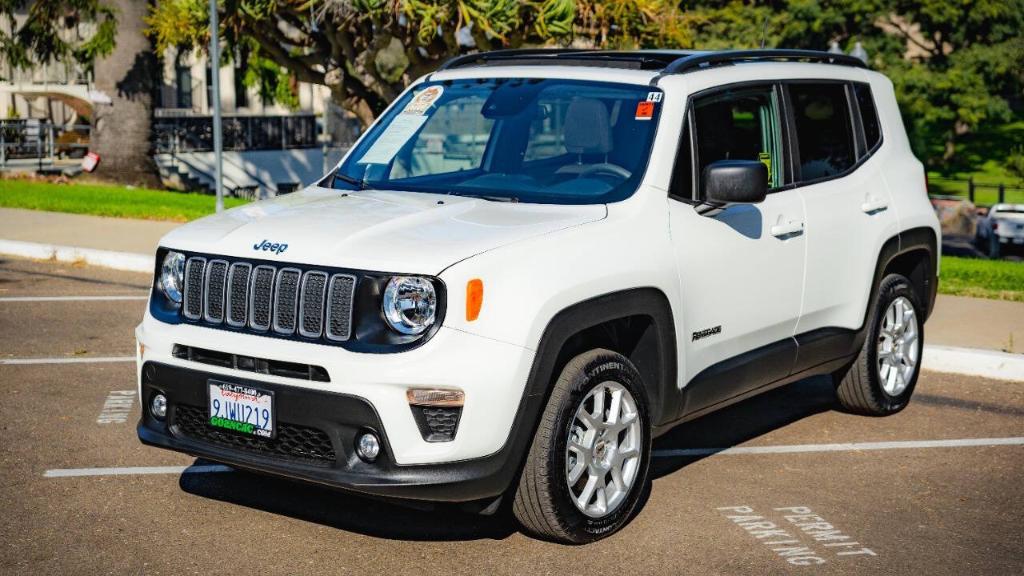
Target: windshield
(528, 140)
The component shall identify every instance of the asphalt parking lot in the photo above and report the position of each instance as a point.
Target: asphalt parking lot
(936, 489)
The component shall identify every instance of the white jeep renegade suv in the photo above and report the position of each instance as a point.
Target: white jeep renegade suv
(535, 262)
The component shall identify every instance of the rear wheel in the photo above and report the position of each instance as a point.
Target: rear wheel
(587, 466)
(882, 378)
(994, 249)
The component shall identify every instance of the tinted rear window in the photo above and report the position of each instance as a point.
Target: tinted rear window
(823, 129)
(868, 115)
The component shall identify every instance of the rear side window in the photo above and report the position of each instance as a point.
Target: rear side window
(868, 115)
(824, 129)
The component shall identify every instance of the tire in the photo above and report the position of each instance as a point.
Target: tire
(994, 248)
(545, 503)
(878, 383)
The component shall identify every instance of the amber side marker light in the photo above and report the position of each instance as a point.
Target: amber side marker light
(433, 397)
(474, 299)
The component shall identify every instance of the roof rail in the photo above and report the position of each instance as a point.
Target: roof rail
(482, 57)
(639, 59)
(697, 61)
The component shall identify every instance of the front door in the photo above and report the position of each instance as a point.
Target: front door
(740, 268)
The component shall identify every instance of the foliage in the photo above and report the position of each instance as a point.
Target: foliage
(366, 51)
(107, 200)
(994, 279)
(50, 33)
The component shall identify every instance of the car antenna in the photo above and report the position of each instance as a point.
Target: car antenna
(764, 30)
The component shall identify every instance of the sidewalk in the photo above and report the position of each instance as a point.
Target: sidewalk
(976, 323)
(92, 232)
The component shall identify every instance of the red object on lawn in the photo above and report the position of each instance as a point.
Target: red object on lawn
(90, 161)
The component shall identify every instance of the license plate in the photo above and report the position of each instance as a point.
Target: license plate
(241, 409)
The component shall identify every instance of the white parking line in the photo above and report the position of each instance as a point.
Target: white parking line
(844, 447)
(69, 298)
(851, 447)
(83, 360)
(135, 470)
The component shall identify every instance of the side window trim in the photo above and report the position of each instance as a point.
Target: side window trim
(868, 151)
(856, 122)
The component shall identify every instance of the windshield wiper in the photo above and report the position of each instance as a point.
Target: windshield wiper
(512, 199)
(359, 184)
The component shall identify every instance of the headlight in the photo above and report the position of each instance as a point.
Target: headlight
(410, 304)
(172, 273)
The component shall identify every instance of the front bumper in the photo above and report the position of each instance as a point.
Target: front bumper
(316, 441)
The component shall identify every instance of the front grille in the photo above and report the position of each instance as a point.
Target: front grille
(261, 298)
(293, 442)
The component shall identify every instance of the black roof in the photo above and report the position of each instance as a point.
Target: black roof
(664, 61)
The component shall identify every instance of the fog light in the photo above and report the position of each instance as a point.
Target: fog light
(158, 406)
(368, 447)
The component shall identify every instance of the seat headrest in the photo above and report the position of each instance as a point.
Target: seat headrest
(586, 127)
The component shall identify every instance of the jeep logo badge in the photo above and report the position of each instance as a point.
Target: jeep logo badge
(266, 246)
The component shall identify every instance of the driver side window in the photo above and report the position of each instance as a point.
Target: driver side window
(739, 124)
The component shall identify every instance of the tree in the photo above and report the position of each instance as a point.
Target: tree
(127, 74)
(121, 57)
(366, 51)
(956, 65)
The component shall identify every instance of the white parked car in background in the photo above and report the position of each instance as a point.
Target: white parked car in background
(1001, 228)
(537, 261)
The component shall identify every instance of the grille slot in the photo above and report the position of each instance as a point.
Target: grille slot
(311, 307)
(216, 276)
(293, 442)
(261, 297)
(238, 293)
(286, 300)
(339, 307)
(194, 274)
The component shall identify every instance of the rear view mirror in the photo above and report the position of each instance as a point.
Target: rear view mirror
(735, 182)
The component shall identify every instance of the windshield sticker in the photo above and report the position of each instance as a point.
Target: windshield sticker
(654, 96)
(398, 132)
(423, 101)
(644, 110)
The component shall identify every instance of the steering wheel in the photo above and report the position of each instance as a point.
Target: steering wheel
(606, 168)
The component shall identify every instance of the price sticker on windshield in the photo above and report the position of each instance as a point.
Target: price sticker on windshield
(644, 110)
(423, 101)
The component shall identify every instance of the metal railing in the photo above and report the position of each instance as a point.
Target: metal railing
(241, 133)
(40, 142)
(982, 193)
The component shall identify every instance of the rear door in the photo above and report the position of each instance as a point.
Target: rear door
(848, 207)
(741, 267)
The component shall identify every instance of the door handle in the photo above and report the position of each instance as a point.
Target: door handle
(791, 228)
(873, 206)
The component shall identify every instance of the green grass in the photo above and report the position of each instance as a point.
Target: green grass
(983, 156)
(108, 200)
(994, 279)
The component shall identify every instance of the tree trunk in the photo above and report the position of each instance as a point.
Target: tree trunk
(122, 129)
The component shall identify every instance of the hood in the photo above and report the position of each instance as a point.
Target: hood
(374, 229)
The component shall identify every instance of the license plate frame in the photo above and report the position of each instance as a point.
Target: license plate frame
(249, 396)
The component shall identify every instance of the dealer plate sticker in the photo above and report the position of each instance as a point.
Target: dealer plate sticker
(241, 408)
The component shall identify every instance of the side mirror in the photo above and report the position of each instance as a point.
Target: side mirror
(735, 182)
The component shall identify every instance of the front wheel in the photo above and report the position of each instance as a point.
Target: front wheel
(882, 378)
(588, 463)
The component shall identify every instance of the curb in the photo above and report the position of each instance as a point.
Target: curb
(127, 261)
(973, 362)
